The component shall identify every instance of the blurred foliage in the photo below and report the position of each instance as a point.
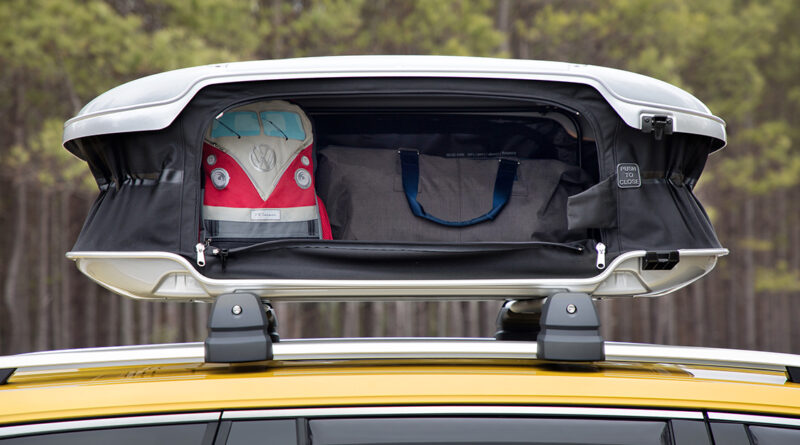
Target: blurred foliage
(778, 279)
(741, 57)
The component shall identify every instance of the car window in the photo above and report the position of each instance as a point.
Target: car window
(729, 433)
(465, 430)
(692, 432)
(261, 432)
(180, 434)
(769, 435)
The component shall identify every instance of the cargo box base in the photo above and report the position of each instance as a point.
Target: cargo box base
(167, 276)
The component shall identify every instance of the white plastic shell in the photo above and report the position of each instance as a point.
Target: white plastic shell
(167, 276)
(153, 102)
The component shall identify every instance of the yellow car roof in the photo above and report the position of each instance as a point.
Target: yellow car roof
(384, 373)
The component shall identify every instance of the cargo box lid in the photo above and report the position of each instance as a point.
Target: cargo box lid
(153, 102)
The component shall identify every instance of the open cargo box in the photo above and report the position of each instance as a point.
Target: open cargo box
(604, 166)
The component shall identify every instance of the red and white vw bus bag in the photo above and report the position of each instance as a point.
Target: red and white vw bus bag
(259, 176)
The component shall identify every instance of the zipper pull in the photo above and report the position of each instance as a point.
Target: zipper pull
(201, 254)
(601, 255)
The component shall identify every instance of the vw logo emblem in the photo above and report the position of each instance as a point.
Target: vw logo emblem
(263, 158)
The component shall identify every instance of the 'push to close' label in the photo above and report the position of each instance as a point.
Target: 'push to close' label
(628, 176)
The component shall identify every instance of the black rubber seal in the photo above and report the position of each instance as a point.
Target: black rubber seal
(6, 374)
(793, 374)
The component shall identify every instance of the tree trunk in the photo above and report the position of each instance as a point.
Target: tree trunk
(748, 278)
(794, 264)
(201, 319)
(157, 332)
(503, 22)
(126, 324)
(421, 319)
(698, 314)
(403, 319)
(277, 26)
(145, 328)
(623, 319)
(189, 333)
(111, 318)
(783, 311)
(441, 319)
(283, 318)
(455, 322)
(643, 320)
(66, 282)
(523, 52)
(172, 322)
(606, 315)
(17, 301)
(377, 319)
(472, 319)
(665, 319)
(351, 321)
(90, 320)
(43, 307)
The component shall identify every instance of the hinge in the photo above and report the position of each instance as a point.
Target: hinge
(660, 260)
(658, 125)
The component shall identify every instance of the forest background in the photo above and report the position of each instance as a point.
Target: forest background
(742, 58)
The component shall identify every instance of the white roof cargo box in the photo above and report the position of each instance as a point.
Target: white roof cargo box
(399, 176)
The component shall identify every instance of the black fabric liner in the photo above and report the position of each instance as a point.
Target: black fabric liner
(663, 211)
(453, 135)
(142, 201)
(141, 208)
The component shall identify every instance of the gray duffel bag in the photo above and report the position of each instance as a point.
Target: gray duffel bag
(369, 196)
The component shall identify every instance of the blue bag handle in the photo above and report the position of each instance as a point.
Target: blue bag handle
(506, 172)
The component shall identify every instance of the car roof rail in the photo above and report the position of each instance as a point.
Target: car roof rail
(307, 351)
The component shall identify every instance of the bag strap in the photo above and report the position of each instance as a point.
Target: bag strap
(409, 165)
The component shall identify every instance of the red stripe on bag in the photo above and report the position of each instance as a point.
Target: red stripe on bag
(324, 222)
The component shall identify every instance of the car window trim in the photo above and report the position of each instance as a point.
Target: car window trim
(560, 411)
(108, 422)
(754, 419)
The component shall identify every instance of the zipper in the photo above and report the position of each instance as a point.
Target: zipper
(345, 244)
(200, 248)
(601, 255)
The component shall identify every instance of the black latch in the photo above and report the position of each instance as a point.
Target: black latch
(660, 260)
(658, 125)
